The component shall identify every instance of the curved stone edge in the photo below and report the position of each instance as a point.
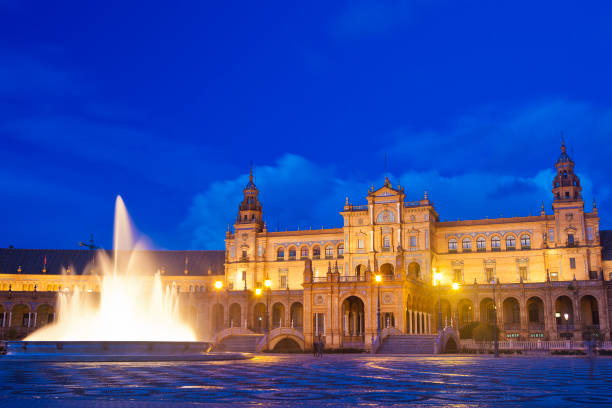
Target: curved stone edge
(75, 358)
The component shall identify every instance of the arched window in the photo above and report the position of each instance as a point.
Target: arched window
(386, 242)
(466, 245)
(525, 241)
(565, 174)
(341, 251)
(385, 216)
(304, 252)
(481, 244)
(495, 243)
(316, 252)
(510, 242)
(292, 253)
(329, 252)
(452, 245)
(280, 254)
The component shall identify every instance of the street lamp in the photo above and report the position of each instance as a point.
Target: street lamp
(455, 287)
(218, 287)
(268, 285)
(438, 278)
(378, 279)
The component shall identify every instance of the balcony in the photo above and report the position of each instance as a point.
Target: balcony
(571, 244)
(481, 250)
(525, 247)
(511, 248)
(357, 208)
(452, 251)
(292, 257)
(353, 278)
(496, 249)
(467, 250)
(386, 249)
(318, 256)
(280, 258)
(513, 326)
(535, 326)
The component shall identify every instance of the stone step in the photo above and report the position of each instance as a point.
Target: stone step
(243, 342)
(408, 344)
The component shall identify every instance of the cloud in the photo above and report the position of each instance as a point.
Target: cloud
(297, 193)
(489, 163)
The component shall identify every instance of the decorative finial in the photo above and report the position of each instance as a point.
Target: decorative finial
(543, 211)
(562, 143)
(426, 198)
(594, 203)
(346, 202)
(251, 173)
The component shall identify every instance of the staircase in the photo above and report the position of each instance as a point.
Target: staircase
(408, 344)
(241, 342)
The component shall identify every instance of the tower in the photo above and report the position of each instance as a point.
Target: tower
(567, 203)
(250, 214)
(566, 184)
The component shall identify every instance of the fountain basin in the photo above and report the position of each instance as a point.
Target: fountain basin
(116, 351)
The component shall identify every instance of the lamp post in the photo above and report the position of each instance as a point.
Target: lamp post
(437, 279)
(495, 340)
(378, 279)
(218, 287)
(455, 287)
(268, 285)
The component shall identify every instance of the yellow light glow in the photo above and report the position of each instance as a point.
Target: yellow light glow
(437, 276)
(258, 291)
(455, 286)
(218, 284)
(378, 278)
(268, 283)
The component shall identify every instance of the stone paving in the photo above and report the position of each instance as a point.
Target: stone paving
(303, 380)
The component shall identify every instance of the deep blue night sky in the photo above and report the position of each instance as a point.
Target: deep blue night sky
(167, 105)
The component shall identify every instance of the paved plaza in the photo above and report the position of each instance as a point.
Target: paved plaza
(302, 380)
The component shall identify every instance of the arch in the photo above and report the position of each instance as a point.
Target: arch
(304, 252)
(446, 313)
(387, 320)
(385, 217)
(564, 316)
(217, 318)
(278, 315)
(353, 321)
(450, 346)
(340, 250)
(20, 315)
(296, 311)
(589, 311)
(465, 309)
(235, 315)
(511, 314)
(487, 310)
(386, 270)
(525, 240)
(535, 313)
(414, 270)
(360, 271)
(466, 244)
(316, 252)
(481, 243)
(292, 251)
(329, 251)
(280, 253)
(287, 345)
(259, 317)
(452, 244)
(44, 314)
(510, 240)
(495, 242)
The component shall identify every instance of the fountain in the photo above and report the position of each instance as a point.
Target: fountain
(131, 318)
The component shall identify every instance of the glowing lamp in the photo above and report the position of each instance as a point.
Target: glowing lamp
(267, 283)
(455, 286)
(378, 278)
(566, 316)
(218, 284)
(258, 291)
(437, 276)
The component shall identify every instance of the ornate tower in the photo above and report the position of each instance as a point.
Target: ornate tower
(250, 214)
(566, 184)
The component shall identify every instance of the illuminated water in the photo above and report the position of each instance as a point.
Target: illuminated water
(132, 304)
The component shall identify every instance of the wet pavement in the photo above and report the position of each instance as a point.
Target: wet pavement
(303, 380)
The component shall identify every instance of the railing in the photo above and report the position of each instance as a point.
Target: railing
(386, 332)
(319, 278)
(512, 326)
(565, 327)
(532, 345)
(535, 326)
(353, 278)
(263, 343)
(408, 204)
(357, 208)
(232, 331)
